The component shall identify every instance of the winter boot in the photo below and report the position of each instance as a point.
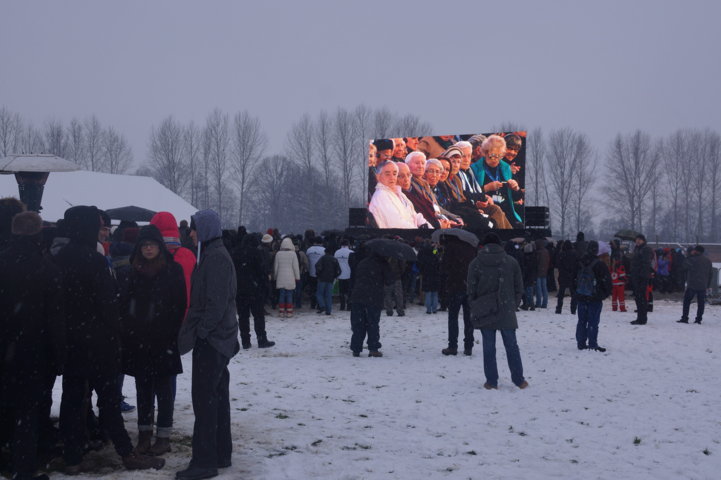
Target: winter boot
(263, 342)
(281, 310)
(161, 446)
(135, 461)
(288, 310)
(245, 342)
(144, 438)
(449, 351)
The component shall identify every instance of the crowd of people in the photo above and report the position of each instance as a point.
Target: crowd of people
(438, 182)
(92, 304)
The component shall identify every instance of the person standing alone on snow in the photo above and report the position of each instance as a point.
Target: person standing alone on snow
(593, 284)
(641, 273)
(699, 273)
(495, 287)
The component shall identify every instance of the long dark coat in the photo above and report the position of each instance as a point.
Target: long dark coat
(250, 269)
(429, 264)
(89, 298)
(152, 311)
(32, 327)
(492, 270)
(454, 264)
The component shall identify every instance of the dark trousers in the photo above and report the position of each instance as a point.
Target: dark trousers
(313, 287)
(73, 408)
(640, 287)
(589, 316)
(212, 442)
(700, 299)
(365, 320)
(246, 306)
(456, 301)
(561, 293)
(513, 354)
(20, 428)
(147, 388)
(393, 296)
(343, 291)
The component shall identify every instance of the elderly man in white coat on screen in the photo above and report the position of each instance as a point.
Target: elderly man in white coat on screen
(389, 206)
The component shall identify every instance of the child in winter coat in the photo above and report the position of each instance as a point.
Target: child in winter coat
(618, 280)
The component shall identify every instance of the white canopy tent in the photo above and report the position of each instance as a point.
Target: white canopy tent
(104, 190)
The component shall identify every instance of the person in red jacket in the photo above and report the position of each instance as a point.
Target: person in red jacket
(618, 279)
(165, 221)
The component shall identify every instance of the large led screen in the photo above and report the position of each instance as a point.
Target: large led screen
(472, 181)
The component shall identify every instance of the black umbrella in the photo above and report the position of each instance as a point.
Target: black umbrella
(626, 234)
(391, 248)
(131, 213)
(462, 235)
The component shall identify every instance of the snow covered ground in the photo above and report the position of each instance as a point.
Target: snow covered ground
(306, 409)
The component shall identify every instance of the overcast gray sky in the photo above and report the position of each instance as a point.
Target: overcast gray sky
(600, 67)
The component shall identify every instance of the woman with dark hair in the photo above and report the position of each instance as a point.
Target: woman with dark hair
(152, 310)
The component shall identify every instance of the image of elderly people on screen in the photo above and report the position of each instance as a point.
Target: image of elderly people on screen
(473, 181)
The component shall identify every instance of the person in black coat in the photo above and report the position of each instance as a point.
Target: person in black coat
(529, 269)
(641, 273)
(32, 339)
(593, 285)
(93, 340)
(327, 269)
(252, 279)
(457, 256)
(370, 276)
(567, 265)
(152, 311)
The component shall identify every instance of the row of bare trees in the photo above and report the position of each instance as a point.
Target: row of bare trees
(86, 142)
(223, 164)
(664, 187)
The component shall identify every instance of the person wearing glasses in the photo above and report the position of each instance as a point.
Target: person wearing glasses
(496, 178)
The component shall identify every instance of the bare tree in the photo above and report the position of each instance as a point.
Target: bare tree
(116, 151)
(10, 132)
(191, 151)
(563, 148)
(93, 144)
(300, 142)
(362, 126)
(248, 144)
(411, 126)
(323, 130)
(270, 191)
(583, 181)
(167, 155)
(382, 123)
(713, 159)
(56, 141)
(218, 143)
(674, 151)
(76, 142)
(31, 140)
(632, 169)
(343, 149)
(535, 167)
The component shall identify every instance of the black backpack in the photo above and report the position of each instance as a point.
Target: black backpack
(586, 283)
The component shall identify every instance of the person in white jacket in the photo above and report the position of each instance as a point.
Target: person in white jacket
(389, 206)
(286, 273)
